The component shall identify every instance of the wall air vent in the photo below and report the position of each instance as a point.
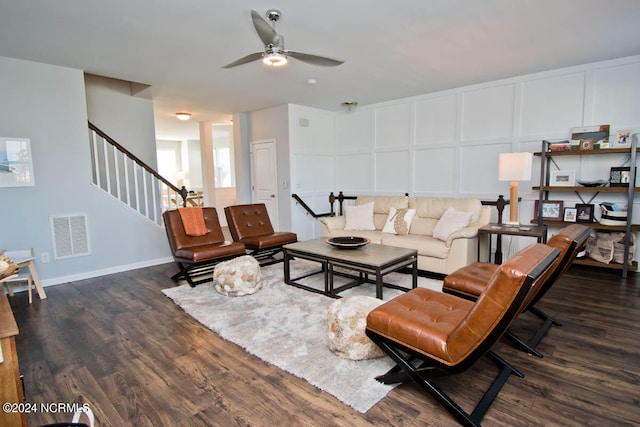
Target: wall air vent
(70, 236)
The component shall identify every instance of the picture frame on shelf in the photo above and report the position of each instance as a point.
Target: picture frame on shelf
(562, 178)
(598, 134)
(623, 139)
(584, 212)
(552, 210)
(570, 214)
(620, 176)
(586, 144)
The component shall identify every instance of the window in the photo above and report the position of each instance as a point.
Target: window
(222, 164)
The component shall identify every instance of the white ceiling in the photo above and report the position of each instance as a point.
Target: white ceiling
(392, 49)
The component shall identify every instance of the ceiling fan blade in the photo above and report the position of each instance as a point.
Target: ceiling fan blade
(244, 60)
(266, 33)
(314, 59)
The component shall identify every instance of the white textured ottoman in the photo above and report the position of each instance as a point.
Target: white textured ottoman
(347, 321)
(237, 277)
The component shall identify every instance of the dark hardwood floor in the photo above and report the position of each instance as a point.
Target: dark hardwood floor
(117, 343)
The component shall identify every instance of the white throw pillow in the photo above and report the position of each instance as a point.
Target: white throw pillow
(450, 222)
(399, 221)
(359, 217)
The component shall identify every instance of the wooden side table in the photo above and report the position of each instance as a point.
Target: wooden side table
(537, 231)
(25, 259)
(10, 383)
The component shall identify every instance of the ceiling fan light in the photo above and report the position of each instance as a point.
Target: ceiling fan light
(274, 59)
(183, 116)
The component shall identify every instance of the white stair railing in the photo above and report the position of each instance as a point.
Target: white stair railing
(128, 179)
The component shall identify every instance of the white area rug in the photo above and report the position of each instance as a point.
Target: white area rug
(287, 327)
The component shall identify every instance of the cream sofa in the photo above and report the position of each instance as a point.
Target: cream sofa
(434, 255)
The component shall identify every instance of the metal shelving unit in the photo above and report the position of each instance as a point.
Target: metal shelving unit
(546, 157)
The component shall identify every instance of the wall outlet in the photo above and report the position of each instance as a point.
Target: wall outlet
(44, 256)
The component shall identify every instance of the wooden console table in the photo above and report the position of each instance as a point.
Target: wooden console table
(10, 383)
(537, 231)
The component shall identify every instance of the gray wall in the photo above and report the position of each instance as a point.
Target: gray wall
(272, 123)
(125, 118)
(48, 105)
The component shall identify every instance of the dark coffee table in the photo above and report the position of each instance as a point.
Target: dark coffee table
(372, 259)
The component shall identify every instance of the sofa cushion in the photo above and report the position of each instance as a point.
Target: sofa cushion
(359, 217)
(450, 222)
(399, 221)
(430, 210)
(425, 245)
(382, 206)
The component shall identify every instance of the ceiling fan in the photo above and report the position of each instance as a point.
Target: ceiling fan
(274, 53)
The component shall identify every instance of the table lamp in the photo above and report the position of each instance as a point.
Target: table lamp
(514, 167)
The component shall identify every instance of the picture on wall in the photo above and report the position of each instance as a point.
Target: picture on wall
(16, 166)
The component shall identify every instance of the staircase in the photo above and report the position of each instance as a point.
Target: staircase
(127, 178)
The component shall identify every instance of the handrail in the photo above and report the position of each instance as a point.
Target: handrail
(124, 176)
(181, 191)
(307, 208)
(340, 198)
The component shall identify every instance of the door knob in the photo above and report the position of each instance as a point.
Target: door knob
(273, 195)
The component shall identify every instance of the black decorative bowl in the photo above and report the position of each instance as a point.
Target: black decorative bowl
(597, 183)
(348, 242)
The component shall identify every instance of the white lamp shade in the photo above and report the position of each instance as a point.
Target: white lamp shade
(515, 166)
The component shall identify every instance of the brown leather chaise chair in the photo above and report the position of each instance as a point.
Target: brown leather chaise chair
(429, 333)
(250, 224)
(469, 282)
(196, 255)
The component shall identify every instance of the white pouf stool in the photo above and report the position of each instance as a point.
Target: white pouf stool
(347, 321)
(237, 277)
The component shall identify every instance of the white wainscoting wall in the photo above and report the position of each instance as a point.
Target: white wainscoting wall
(446, 144)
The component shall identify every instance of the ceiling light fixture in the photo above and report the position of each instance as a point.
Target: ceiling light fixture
(274, 59)
(349, 105)
(183, 116)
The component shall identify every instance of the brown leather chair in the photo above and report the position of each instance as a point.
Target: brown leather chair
(250, 224)
(430, 334)
(196, 255)
(469, 282)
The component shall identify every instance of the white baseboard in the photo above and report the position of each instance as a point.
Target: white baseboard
(96, 273)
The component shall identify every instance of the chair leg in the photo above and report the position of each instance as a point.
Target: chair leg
(403, 363)
(522, 345)
(267, 256)
(542, 330)
(29, 285)
(530, 346)
(183, 274)
(36, 280)
(544, 316)
(189, 272)
(422, 374)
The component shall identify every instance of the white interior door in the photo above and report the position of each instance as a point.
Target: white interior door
(264, 177)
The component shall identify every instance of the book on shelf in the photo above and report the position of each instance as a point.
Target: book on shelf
(560, 146)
